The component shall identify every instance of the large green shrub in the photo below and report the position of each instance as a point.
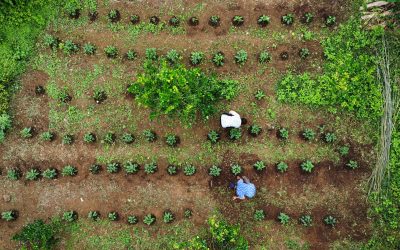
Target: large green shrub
(349, 75)
(181, 91)
(38, 235)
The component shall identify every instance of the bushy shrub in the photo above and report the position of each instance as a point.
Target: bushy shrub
(330, 137)
(150, 168)
(196, 57)
(304, 53)
(352, 164)
(49, 173)
(218, 59)
(255, 130)
(89, 49)
(131, 55)
(235, 134)
(306, 220)
(264, 57)
(114, 15)
(94, 168)
(111, 51)
(67, 139)
(344, 150)
(283, 218)
(47, 136)
(288, 19)
(283, 133)
(151, 54)
(187, 213)
(174, 21)
(308, 17)
(259, 215)
(149, 219)
(214, 171)
(309, 134)
(13, 174)
(213, 136)
(132, 219)
(172, 170)
(189, 170)
(307, 166)
(89, 137)
(94, 215)
(32, 174)
(70, 216)
(214, 21)
(330, 220)
(149, 135)
(330, 20)
(236, 169)
(109, 138)
(238, 20)
(38, 235)
(27, 132)
(127, 138)
(9, 215)
(113, 216)
(113, 167)
(263, 20)
(282, 167)
(69, 171)
(172, 140)
(134, 19)
(69, 47)
(259, 166)
(259, 95)
(168, 217)
(131, 167)
(241, 57)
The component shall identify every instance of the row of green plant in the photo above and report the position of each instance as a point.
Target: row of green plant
(305, 220)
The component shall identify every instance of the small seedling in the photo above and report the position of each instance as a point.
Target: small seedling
(218, 59)
(189, 170)
(283, 218)
(309, 134)
(259, 95)
(255, 130)
(149, 135)
(282, 167)
(134, 19)
(330, 220)
(241, 57)
(27, 132)
(49, 173)
(113, 216)
(174, 21)
(149, 219)
(70, 216)
(89, 49)
(330, 21)
(307, 166)
(304, 53)
(306, 220)
(235, 134)
(47, 136)
(67, 139)
(109, 138)
(259, 166)
(238, 20)
(168, 217)
(284, 133)
(150, 168)
(128, 138)
(330, 137)
(172, 140)
(215, 171)
(32, 174)
(352, 164)
(111, 51)
(131, 167)
(214, 21)
(113, 167)
(308, 17)
(213, 136)
(196, 57)
(9, 215)
(288, 19)
(132, 219)
(131, 55)
(69, 171)
(13, 174)
(95, 168)
(173, 56)
(344, 150)
(236, 169)
(151, 54)
(263, 20)
(187, 213)
(94, 215)
(172, 170)
(264, 57)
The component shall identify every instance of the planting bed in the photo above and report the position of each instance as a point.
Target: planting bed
(331, 188)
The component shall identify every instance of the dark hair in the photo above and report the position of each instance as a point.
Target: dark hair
(244, 121)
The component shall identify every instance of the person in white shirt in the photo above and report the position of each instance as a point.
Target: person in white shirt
(232, 120)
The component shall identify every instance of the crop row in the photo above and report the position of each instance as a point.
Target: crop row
(131, 168)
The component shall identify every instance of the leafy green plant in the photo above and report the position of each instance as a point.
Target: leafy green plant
(131, 55)
(187, 213)
(218, 59)
(49, 173)
(330, 20)
(196, 57)
(238, 20)
(173, 56)
(70, 216)
(308, 17)
(32, 174)
(128, 138)
(288, 19)
(255, 130)
(172, 140)
(264, 57)
(330, 220)
(89, 137)
(132, 219)
(306, 220)
(241, 57)
(63, 96)
(149, 135)
(149, 219)
(259, 166)
(94, 215)
(113, 216)
(330, 137)
(113, 167)
(283, 133)
(259, 95)
(304, 53)
(47, 136)
(9, 215)
(263, 20)
(168, 217)
(174, 21)
(309, 134)
(114, 15)
(72, 8)
(67, 139)
(283, 218)
(69, 171)
(172, 170)
(344, 150)
(51, 41)
(89, 48)
(27, 132)
(214, 21)
(111, 51)
(194, 21)
(189, 170)
(5, 122)
(99, 95)
(213, 136)
(69, 47)
(131, 167)
(94, 168)
(236, 169)
(150, 168)
(38, 235)
(259, 215)
(214, 171)
(151, 54)
(109, 138)
(235, 134)
(352, 164)
(13, 174)
(134, 19)
(307, 166)
(282, 167)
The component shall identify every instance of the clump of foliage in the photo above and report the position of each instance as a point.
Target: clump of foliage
(172, 140)
(191, 91)
(32, 174)
(132, 219)
(67, 139)
(109, 138)
(49, 173)
(89, 137)
(236, 169)
(214, 171)
(27, 132)
(259, 95)
(306, 220)
(235, 134)
(113, 167)
(263, 20)
(9, 215)
(150, 168)
(214, 21)
(241, 57)
(282, 167)
(114, 15)
(134, 19)
(264, 57)
(69, 171)
(94, 168)
(352, 164)
(330, 220)
(51, 41)
(70, 216)
(63, 96)
(149, 219)
(330, 20)
(94, 215)
(173, 56)
(69, 47)
(113, 216)
(131, 55)
(149, 135)
(213, 136)
(307, 166)
(283, 218)
(329, 137)
(309, 134)
(89, 48)
(259, 166)
(172, 170)
(283, 133)
(174, 21)
(47, 136)
(189, 170)
(187, 213)
(344, 150)
(111, 51)
(13, 174)
(151, 54)
(304, 53)
(128, 138)
(168, 217)
(131, 167)
(308, 17)
(288, 19)
(72, 8)
(196, 57)
(255, 130)
(238, 20)
(259, 215)
(38, 235)
(218, 59)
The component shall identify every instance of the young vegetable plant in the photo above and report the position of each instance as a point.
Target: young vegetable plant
(99, 96)
(283, 133)
(288, 19)
(214, 171)
(168, 217)
(69, 171)
(134, 19)
(132, 219)
(111, 51)
(154, 20)
(109, 138)
(131, 55)
(282, 167)
(173, 56)
(330, 220)
(47, 136)
(352, 164)
(307, 166)
(51, 41)
(131, 167)
(32, 174)
(193, 21)
(174, 21)
(151, 54)
(67, 139)
(304, 53)
(263, 20)
(70, 216)
(94, 215)
(329, 137)
(172, 140)
(149, 219)
(236, 169)
(189, 170)
(306, 220)
(213, 136)
(308, 17)
(344, 150)
(27, 132)
(264, 57)
(259, 166)
(259, 95)
(114, 16)
(95, 168)
(72, 8)
(113, 167)
(50, 173)
(196, 57)
(238, 20)
(235, 134)
(113, 216)
(149, 135)
(89, 138)
(172, 170)
(13, 174)
(187, 213)
(9, 215)
(283, 218)
(330, 21)
(150, 168)
(255, 130)
(69, 47)
(309, 134)
(241, 57)
(214, 21)
(218, 59)
(128, 138)
(89, 49)
(259, 215)
(92, 6)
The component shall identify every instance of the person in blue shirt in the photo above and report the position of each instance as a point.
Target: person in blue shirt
(244, 188)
